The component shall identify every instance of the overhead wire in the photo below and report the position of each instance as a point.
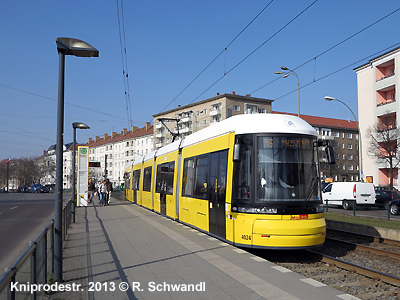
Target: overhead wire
(124, 59)
(218, 55)
(331, 48)
(343, 68)
(255, 50)
(67, 103)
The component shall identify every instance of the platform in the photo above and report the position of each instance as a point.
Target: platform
(124, 251)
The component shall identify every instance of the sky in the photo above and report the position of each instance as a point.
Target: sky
(166, 45)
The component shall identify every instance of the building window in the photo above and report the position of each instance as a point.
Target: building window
(336, 134)
(349, 136)
(349, 146)
(350, 167)
(205, 123)
(350, 157)
(344, 156)
(262, 111)
(250, 109)
(236, 108)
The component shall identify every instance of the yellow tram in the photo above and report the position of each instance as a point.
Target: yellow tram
(250, 180)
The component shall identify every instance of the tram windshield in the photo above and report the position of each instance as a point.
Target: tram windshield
(285, 169)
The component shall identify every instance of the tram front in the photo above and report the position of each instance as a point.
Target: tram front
(276, 199)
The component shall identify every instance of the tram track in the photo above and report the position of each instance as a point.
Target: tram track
(364, 266)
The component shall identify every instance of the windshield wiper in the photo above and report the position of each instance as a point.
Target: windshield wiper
(310, 191)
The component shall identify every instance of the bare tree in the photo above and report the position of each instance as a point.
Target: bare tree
(384, 138)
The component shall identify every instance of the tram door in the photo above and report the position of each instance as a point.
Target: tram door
(217, 192)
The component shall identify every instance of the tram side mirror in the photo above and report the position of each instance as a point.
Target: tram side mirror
(330, 154)
(237, 151)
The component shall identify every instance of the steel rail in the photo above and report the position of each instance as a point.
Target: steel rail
(387, 278)
(365, 248)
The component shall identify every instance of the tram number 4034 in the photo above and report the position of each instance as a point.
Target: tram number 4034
(246, 237)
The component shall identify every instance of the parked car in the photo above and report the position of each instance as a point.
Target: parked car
(34, 187)
(23, 189)
(394, 206)
(42, 189)
(346, 193)
(383, 197)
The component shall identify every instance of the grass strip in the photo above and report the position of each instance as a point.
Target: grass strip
(374, 222)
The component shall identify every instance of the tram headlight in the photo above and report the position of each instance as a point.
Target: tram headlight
(256, 210)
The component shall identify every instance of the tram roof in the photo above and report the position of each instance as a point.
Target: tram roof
(240, 124)
(253, 123)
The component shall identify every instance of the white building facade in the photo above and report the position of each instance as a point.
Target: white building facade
(377, 84)
(111, 152)
(115, 151)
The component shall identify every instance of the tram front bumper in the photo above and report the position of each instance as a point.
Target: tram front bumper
(298, 233)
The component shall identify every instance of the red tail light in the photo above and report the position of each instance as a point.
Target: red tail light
(354, 191)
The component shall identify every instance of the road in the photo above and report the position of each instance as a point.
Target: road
(22, 217)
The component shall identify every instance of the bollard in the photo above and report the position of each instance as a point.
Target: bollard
(326, 210)
(354, 208)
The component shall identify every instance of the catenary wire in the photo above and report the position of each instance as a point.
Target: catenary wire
(124, 59)
(223, 51)
(254, 51)
(331, 48)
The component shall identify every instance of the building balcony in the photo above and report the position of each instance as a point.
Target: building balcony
(215, 112)
(384, 70)
(185, 130)
(186, 119)
(386, 95)
(159, 126)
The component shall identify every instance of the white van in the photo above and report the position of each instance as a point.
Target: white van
(346, 193)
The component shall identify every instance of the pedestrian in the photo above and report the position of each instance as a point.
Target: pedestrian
(109, 191)
(98, 190)
(91, 190)
(102, 190)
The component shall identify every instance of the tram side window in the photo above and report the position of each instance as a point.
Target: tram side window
(127, 180)
(165, 178)
(200, 189)
(147, 179)
(242, 171)
(196, 179)
(136, 180)
(188, 177)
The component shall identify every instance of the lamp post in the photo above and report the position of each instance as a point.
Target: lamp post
(65, 46)
(75, 125)
(327, 98)
(286, 75)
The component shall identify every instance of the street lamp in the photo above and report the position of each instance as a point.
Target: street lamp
(65, 46)
(75, 125)
(327, 98)
(286, 75)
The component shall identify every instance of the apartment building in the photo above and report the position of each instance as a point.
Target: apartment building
(48, 162)
(377, 84)
(187, 119)
(343, 137)
(116, 150)
(110, 152)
